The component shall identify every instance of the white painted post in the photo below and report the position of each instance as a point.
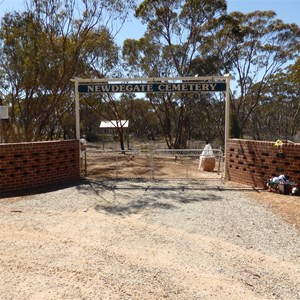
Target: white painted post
(77, 114)
(227, 118)
(3, 115)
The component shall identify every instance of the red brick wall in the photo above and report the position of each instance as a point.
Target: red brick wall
(253, 162)
(38, 164)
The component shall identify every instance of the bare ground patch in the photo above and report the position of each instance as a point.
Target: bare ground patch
(148, 240)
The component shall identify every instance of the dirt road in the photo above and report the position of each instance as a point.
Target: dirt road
(146, 240)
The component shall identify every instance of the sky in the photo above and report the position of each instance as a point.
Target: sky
(287, 10)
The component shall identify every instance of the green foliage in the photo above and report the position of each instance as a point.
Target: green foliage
(278, 114)
(198, 37)
(251, 47)
(45, 46)
(170, 48)
(42, 49)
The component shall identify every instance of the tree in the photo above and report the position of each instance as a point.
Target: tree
(143, 120)
(252, 47)
(198, 37)
(168, 49)
(278, 113)
(46, 46)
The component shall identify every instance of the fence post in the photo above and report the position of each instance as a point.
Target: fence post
(117, 166)
(151, 163)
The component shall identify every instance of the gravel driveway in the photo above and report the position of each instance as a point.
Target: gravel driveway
(146, 240)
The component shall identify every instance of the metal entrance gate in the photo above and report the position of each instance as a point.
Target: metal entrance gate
(197, 84)
(149, 164)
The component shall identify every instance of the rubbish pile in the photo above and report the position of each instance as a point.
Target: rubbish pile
(281, 185)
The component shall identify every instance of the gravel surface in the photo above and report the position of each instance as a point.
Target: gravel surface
(146, 240)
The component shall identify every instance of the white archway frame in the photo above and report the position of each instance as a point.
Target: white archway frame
(225, 78)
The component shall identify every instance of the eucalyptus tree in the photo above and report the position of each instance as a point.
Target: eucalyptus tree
(278, 114)
(44, 47)
(105, 107)
(252, 47)
(168, 49)
(199, 37)
(144, 123)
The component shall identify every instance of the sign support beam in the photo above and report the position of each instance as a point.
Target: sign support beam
(227, 119)
(77, 113)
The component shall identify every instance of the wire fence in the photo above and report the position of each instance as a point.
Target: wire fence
(149, 164)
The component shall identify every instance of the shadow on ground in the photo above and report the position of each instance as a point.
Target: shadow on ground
(132, 197)
(41, 190)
